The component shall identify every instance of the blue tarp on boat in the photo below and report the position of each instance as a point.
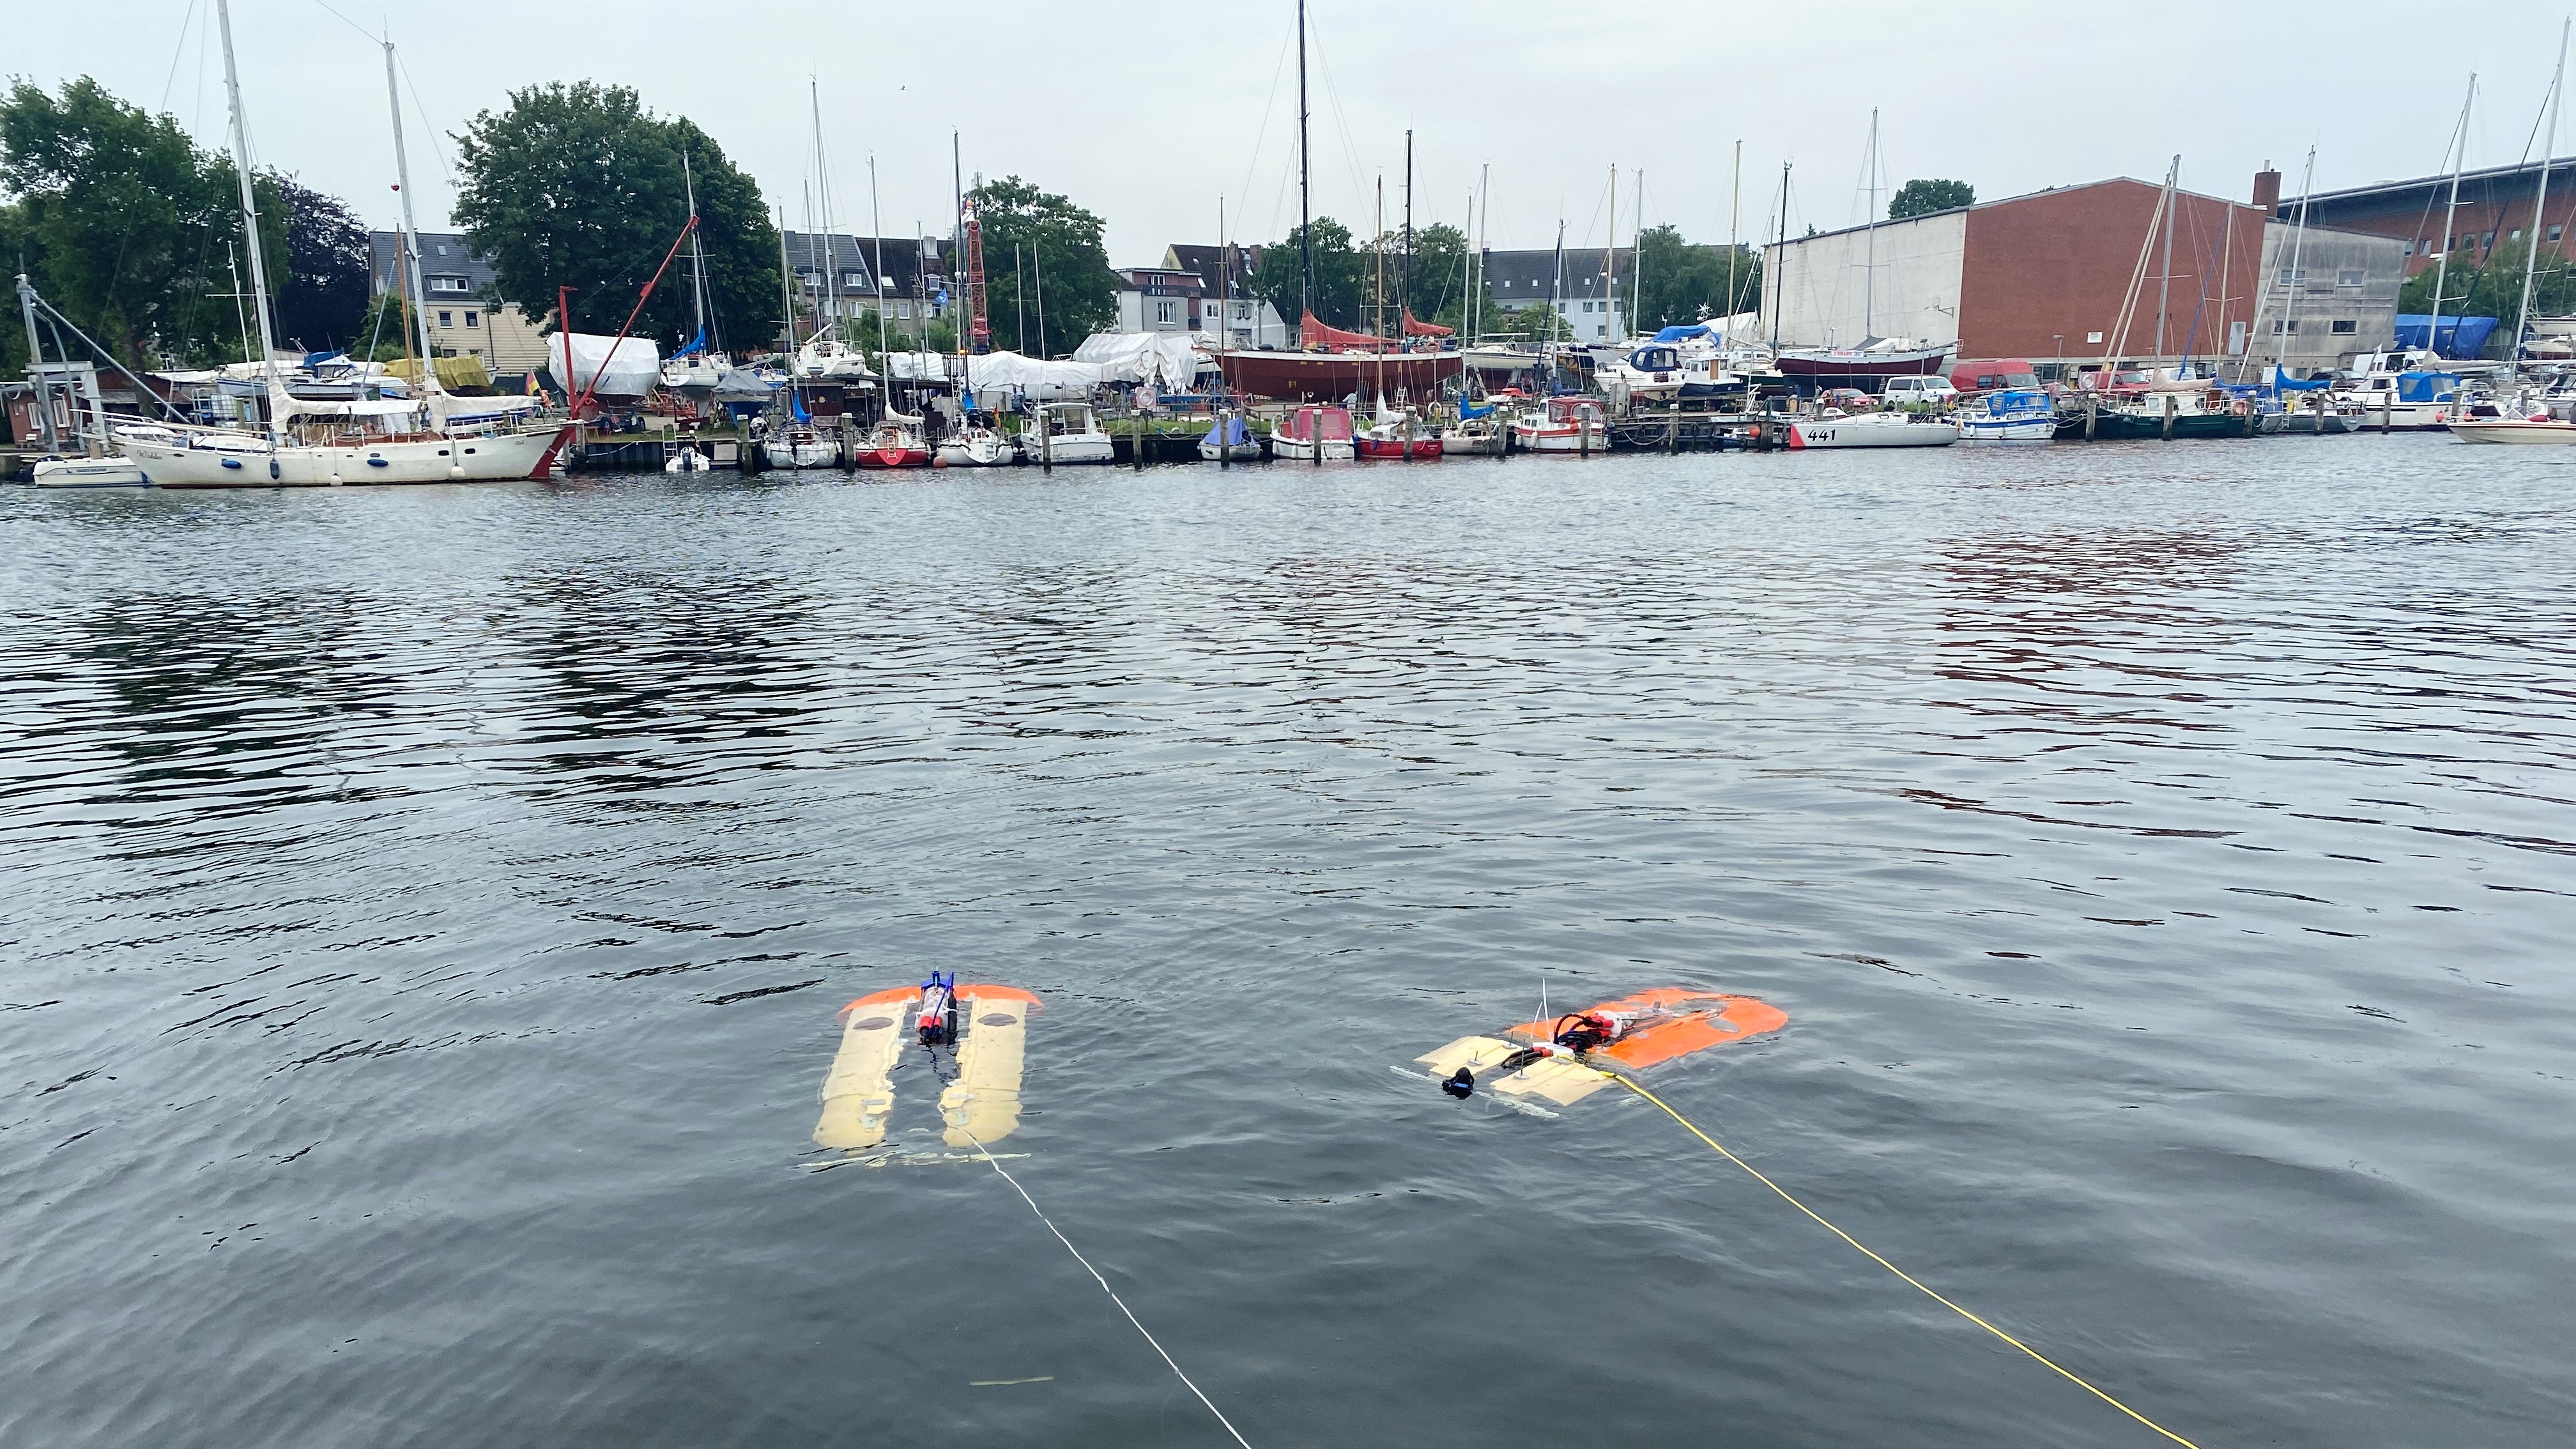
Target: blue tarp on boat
(2424, 387)
(2461, 337)
(1679, 334)
(2281, 382)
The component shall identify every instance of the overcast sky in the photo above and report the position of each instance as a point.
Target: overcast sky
(1150, 115)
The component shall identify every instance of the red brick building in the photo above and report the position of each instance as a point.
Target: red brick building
(2039, 276)
(2495, 209)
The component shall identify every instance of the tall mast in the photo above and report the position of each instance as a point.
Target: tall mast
(1610, 255)
(2442, 259)
(1305, 173)
(1779, 286)
(827, 299)
(697, 253)
(411, 233)
(876, 223)
(1476, 284)
(2164, 288)
(250, 231)
(36, 366)
(957, 232)
(1224, 287)
(1404, 290)
(1556, 283)
(1637, 254)
(1869, 272)
(1734, 230)
(786, 293)
(1381, 291)
(2298, 244)
(2540, 204)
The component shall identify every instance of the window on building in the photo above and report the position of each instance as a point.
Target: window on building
(2514, 235)
(2553, 233)
(2279, 327)
(473, 319)
(2351, 277)
(442, 249)
(2488, 240)
(2093, 338)
(446, 319)
(903, 310)
(449, 284)
(1163, 312)
(2347, 326)
(2292, 276)
(854, 279)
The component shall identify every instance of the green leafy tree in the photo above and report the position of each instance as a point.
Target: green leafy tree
(1920, 197)
(580, 186)
(2495, 289)
(1062, 262)
(325, 296)
(1341, 276)
(381, 329)
(121, 222)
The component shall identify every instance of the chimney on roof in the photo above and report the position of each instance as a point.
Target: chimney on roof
(2267, 189)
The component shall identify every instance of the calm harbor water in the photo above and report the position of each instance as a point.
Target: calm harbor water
(426, 912)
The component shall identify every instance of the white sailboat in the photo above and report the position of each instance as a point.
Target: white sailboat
(333, 442)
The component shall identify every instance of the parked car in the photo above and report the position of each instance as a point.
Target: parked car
(1904, 391)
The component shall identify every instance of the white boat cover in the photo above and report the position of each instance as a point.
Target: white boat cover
(634, 371)
(450, 410)
(1164, 358)
(303, 407)
(917, 366)
(1041, 381)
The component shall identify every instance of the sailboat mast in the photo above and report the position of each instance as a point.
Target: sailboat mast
(2164, 288)
(1869, 272)
(1380, 328)
(2298, 245)
(1610, 255)
(1778, 286)
(1305, 173)
(1637, 255)
(697, 253)
(2540, 204)
(1476, 277)
(1734, 233)
(827, 298)
(786, 299)
(1404, 290)
(2442, 258)
(1224, 287)
(411, 233)
(876, 223)
(250, 229)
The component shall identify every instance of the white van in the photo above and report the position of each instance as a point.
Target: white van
(1936, 391)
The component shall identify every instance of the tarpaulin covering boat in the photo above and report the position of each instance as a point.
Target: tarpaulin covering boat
(626, 370)
(1416, 327)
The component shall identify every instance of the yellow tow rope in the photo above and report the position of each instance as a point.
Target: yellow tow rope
(2078, 1379)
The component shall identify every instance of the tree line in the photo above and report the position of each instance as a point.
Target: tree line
(1680, 281)
(132, 230)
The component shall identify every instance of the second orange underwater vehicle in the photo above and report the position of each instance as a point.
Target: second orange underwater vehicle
(1552, 1058)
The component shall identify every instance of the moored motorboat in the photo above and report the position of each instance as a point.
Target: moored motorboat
(1316, 432)
(111, 472)
(1229, 439)
(1564, 425)
(1067, 433)
(2016, 415)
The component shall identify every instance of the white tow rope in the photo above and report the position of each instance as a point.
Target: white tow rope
(1105, 1288)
